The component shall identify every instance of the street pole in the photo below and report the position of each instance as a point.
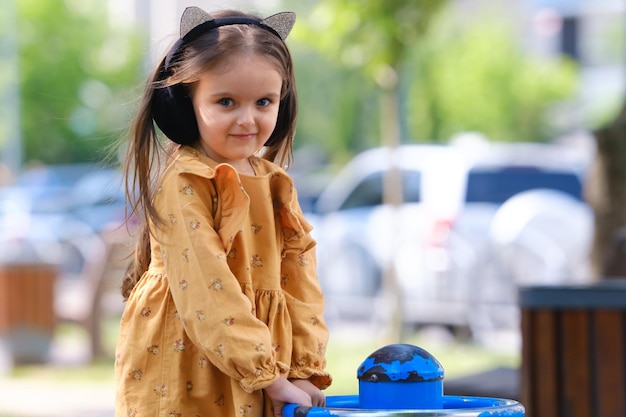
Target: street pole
(10, 131)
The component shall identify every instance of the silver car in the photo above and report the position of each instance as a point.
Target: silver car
(474, 224)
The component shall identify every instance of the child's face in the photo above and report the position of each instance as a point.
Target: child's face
(237, 109)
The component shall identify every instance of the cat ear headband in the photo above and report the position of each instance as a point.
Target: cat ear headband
(172, 110)
(196, 21)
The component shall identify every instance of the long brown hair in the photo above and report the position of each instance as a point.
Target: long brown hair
(147, 153)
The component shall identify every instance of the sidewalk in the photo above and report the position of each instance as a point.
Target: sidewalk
(28, 398)
(33, 396)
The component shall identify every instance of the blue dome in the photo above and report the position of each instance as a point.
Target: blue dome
(400, 363)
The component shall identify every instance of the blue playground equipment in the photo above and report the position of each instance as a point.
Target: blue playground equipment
(402, 380)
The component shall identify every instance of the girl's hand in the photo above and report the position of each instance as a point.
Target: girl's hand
(282, 391)
(317, 396)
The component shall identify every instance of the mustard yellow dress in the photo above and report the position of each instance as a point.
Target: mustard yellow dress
(231, 298)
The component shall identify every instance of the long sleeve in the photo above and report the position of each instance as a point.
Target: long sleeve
(305, 300)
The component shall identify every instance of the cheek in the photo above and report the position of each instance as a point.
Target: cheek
(205, 118)
(203, 112)
(270, 119)
(201, 119)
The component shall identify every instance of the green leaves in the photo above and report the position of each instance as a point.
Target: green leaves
(373, 35)
(451, 72)
(481, 80)
(75, 74)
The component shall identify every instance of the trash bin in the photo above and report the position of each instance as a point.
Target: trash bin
(573, 349)
(27, 318)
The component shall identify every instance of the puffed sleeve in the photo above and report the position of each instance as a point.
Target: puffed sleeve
(216, 315)
(305, 300)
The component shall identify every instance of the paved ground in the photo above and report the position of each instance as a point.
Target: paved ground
(32, 399)
(500, 382)
(28, 397)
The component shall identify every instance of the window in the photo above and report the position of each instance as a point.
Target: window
(497, 186)
(369, 192)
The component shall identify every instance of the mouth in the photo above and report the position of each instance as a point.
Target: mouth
(243, 136)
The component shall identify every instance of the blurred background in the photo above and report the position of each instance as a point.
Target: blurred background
(447, 153)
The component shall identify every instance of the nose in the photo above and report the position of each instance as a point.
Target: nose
(245, 118)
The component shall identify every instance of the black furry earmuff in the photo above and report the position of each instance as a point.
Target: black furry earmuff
(171, 107)
(172, 111)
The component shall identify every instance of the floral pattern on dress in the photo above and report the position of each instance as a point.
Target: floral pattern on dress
(219, 350)
(216, 284)
(187, 189)
(256, 261)
(136, 374)
(284, 279)
(303, 260)
(161, 391)
(179, 345)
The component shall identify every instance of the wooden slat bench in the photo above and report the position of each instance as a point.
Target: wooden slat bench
(573, 350)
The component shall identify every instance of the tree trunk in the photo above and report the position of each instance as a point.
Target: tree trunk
(392, 195)
(606, 193)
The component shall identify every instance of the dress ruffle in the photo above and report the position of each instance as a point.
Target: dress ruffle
(233, 202)
(231, 208)
(293, 222)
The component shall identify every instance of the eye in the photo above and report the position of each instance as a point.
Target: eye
(225, 102)
(264, 102)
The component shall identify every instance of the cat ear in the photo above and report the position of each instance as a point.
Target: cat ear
(282, 23)
(192, 17)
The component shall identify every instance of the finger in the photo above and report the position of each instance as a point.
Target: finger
(278, 409)
(320, 401)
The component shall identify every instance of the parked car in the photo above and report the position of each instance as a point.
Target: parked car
(446, 242)
(50, 206)
(522, 220)
(359, 236)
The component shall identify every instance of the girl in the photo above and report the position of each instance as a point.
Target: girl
(224, 312)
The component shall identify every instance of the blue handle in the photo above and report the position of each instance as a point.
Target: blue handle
(333, 401)
(294, 410)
